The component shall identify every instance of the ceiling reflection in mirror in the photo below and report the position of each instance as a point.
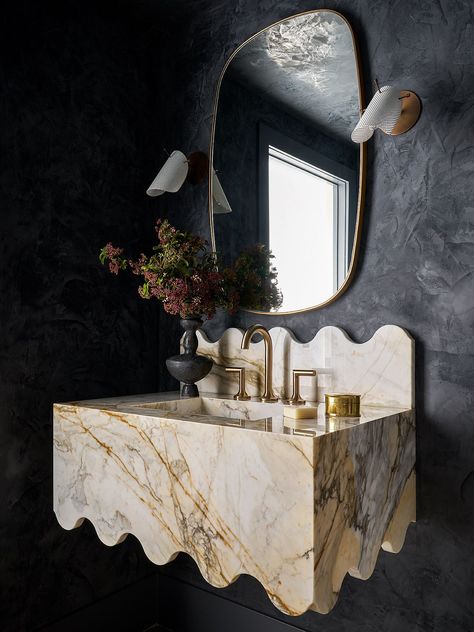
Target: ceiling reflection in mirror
(281, 150)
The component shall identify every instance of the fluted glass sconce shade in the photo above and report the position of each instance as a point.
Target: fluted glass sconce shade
(392, 111)
(220, 202)
(171, 176)
(382, 112)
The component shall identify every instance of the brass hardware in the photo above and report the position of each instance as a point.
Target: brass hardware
(342, 405)
(411, 110)
(362, 162)
(295, 399)
(268, 395)
(242, 395)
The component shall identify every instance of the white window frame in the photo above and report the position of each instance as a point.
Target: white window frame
(340, 210)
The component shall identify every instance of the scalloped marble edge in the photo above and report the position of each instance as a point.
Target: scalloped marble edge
(381, 369)
(113, 540)
(393, 541)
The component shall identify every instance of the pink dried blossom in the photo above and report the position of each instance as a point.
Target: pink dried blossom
(114, 266)
(151, 277)
(112, 251)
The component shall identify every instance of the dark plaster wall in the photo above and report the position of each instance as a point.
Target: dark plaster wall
(79, 144)
(236, 159)
(89, 94)
(416, 270)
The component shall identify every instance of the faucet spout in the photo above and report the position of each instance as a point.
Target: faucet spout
(268, 395)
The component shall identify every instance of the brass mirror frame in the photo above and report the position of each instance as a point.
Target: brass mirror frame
(362, 163)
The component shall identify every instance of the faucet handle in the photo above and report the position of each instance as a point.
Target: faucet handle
(295, 399)
(240, 370)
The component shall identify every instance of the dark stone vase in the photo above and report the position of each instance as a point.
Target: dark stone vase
(189, 367)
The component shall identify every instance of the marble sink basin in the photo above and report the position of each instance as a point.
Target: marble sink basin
(219, 407)
(249, 415)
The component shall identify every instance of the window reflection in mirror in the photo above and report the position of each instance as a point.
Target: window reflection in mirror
(288, 101)
(300, 194)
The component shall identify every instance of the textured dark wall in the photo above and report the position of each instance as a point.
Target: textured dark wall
(236, 159)
(416, 270)
(79, 136)
(89, 95)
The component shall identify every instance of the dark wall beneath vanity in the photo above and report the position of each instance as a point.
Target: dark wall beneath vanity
(79, 129)
(416, 270)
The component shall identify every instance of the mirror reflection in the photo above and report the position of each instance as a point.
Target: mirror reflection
(288, 101)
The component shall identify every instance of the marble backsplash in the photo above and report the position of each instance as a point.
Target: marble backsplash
(381, 370)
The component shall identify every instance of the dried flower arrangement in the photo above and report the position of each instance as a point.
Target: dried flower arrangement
(183, 274)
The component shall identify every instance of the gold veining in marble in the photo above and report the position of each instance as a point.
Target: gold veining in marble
(233, 497)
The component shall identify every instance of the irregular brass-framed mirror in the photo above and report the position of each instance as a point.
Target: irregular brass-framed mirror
(284, 172)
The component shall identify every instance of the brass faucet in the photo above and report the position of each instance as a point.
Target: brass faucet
(268, 395)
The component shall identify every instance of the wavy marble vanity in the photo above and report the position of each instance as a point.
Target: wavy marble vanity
(243, 489)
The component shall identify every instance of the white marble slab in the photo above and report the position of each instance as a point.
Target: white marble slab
(381, 370)
(296, 505)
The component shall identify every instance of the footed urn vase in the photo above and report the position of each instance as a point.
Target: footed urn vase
(189, 367)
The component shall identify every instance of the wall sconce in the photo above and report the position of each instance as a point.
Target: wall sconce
(220, 204)
(194, 168)
(390, 110)
(176, 170)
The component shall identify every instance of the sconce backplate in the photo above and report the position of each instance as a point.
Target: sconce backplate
(198, 167)
(411, 110)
